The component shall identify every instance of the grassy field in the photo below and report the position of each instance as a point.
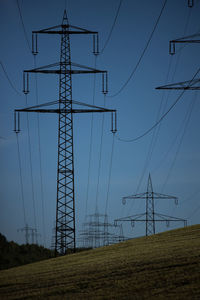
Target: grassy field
(163, 266)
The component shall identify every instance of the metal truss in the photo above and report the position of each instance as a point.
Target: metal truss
(96, 231)
(65, 209)
(150, 217)
(191, 39)
(184, 85)
(29, 231)
(189, 84)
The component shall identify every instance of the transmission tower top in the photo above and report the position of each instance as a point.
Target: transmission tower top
(65, 28)
(65, 18)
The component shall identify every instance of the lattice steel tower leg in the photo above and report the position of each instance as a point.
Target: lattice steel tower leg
(65, 208)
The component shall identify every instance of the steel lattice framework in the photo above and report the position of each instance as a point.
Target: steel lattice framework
(193, 84)
(65, 206)
(150, 217)
(65, 237)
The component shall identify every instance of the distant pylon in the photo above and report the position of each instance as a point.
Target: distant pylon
(150, 216)
(29, 231)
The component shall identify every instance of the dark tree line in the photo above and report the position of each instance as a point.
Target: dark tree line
(13, 255)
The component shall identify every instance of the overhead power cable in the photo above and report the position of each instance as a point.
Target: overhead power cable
(173, 142)
(194, 212)
(23, 26)
(91, 140)
(100, 157)
(163, 116)
(113, 25)
(40, 158)
(31, 168)
(161, 110)
(142, 54)
(188, 116)
(39, 139)
(109, 174)
(8, 78)
(21, 180)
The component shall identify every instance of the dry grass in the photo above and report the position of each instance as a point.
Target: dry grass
(163, 266)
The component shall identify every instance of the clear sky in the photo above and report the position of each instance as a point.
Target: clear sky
(174, 159)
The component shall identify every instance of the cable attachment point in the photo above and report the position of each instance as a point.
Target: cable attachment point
(95, 44)
(123, 201)
(105, 82)
(114, 122)
(34, 43)
(190, 3)
(132, 223)
(16, 121)
(171, 47)
(25, 83)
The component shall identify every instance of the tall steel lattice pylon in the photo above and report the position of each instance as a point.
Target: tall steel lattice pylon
(150, 217)
(65, 206)
(65, 238)
(150, 222)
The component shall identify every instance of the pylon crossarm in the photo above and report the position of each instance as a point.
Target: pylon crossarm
(66, 28)
(67, 111)
(71, 101)
(163, 196)
(187, 39)
(184, 85)
(169, 218)
(128, 219)
(45, 69)
(61, 68)
(131, 197)
(37, 109)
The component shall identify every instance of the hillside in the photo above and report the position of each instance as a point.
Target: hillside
(163, 266)
(12, 254)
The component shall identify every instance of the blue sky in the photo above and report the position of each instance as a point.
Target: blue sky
(175, 159)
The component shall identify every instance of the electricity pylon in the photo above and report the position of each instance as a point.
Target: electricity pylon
(150, 217)
(98, 231)
(193, 84)
(29, 231)
(65, 68)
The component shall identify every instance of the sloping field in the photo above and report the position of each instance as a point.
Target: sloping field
(163, 266)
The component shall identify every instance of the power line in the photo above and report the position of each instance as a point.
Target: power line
(31, 168)
(38, 130)
(113, 25)
(143, 52)
(21, 180)
(188, 116)
(91, 139)
(109, 174)
(194, 212)
(9, 80)
(156, 132)
(23, 26)
(40, 159)
(163, 116)
(100, 157)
